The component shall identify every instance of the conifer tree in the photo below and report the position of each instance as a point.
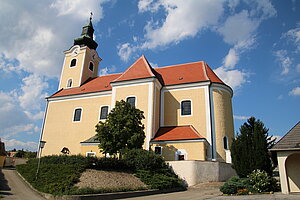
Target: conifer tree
(249, 150)
(123, 129)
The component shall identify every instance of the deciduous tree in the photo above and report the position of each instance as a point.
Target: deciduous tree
(123, 129)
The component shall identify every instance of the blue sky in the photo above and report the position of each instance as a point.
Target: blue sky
(254, 46)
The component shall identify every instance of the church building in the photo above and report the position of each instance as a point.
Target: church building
(187, 107)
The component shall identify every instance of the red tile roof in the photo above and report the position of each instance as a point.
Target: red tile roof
(177, 133)
(187, 73)
(171, 75)
(101, 83)
(139, 69)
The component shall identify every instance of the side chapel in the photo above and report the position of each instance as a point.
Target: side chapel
(187, 107)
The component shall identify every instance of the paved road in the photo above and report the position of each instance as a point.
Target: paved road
(13, 187)
(211, 191)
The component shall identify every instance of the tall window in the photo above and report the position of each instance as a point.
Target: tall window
(131, 100)
(91, 66)
(158, 150)
(77, 115)
(186, 107)
(73, 63)
(104, 112)
(225, 142)
(69, 84)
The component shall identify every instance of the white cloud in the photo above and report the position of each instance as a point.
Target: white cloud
(231, 59)
(240, 117)
(125, 51)
(294, 36)
(285, 61)
(242, 22)
(38, 41)
(153, 65)
(32, 92)
(295, 91)
(13, 143)
(148, 5)
(176, 27)
(233, 78)
(79, 9)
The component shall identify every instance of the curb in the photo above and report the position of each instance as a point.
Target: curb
(117, 195)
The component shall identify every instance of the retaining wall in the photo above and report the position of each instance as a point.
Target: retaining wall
(194, 172)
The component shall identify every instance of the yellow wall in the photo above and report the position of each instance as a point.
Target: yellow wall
(80, 73)
(172, 115)
(60, 130)
(141, 93)
(223, 119)
(195, 151)
(72, 72)
(91, 148)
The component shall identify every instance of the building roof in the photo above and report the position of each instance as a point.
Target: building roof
(177, 133)
(290, 141)
(139, 69)
(98, 84)
(93, 139)
(170, 75)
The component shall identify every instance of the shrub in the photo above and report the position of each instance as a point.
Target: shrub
(139, 159)
(109, 164)
(56, 179)
(234, 184)
(261, 182)
(159, 180)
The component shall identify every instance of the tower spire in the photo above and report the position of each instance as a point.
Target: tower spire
(86, 38)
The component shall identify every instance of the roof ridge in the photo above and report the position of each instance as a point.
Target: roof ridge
(205, 70)
(149, 66)
(178, 65)
(197, 133)
(140, 58)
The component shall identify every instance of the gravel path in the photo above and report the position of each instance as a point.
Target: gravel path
(98, 179)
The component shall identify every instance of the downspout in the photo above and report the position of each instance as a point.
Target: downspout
(42, 130)
(213, 153)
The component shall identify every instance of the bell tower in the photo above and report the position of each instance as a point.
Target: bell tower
(81, 60)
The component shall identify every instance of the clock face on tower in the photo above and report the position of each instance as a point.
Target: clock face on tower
(75, 51)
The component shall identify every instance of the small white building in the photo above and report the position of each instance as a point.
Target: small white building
(288, 155)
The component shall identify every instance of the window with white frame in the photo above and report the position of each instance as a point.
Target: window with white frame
(225, 142)
(103, 112)
(73, 62)
(181, 154)
(77, 115)
(158, 150)
(69, 83)
(186, 107)
(90, 154)
(131, 100)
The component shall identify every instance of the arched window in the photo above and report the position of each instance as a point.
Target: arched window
(77, 115)
(73, 62)
(186, 107)
(131, 100)
(225, 142)
(69, 84)
(91, 66)
(103, 112)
